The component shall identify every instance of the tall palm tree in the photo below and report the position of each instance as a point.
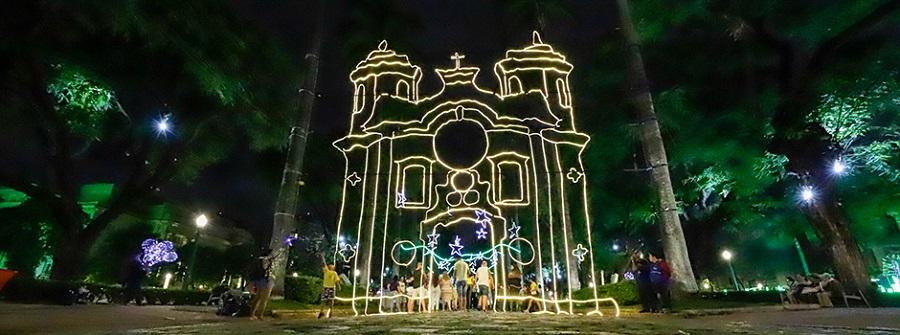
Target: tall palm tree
(291, 178)
(674, 245)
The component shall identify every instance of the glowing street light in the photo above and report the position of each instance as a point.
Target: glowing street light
(616, 247)
(163, 125)
(807, 194)
(200, 222)
(838, 167)
(727, 256)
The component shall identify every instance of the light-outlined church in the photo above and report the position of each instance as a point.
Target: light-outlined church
(481, 173)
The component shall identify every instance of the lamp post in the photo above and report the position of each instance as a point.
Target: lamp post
(200, 221)
(726, 255)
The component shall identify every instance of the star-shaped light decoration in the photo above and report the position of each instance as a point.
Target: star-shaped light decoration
(348, 252)
(574, 175)
(481, 234)
(401, 199)
(482, 217)
(580, 252)
(433, 239)
(456, 247)
(157, 252)
(513, 230)
(354, 179)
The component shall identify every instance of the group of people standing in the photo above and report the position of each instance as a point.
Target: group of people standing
(654, 278)
(454, 290)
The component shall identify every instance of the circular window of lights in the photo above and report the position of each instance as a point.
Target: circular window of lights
(403, 253)
(460, 144)
(521, 251)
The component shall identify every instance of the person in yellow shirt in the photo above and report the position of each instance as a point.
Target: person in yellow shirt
(330, 282)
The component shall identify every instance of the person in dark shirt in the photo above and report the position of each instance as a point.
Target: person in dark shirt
(261, 279)
(660, 279)
(415, 290)
(649, 302)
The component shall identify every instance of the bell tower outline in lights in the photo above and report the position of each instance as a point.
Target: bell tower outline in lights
(485, 175)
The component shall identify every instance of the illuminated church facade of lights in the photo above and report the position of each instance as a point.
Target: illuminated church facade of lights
(483, 174)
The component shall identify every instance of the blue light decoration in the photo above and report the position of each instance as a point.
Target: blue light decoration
(481, 234)
(157, 252)
(289, 241)
(433, 239)
(513, 230)
(628, 275)
(482, 217)
(456, 247)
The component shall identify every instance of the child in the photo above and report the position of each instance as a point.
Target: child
(330, 282)
(446, 292)
(401, 293)
(532, 295)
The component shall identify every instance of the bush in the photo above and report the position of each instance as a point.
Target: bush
(28, 290)
(304, 289)
(625, 292)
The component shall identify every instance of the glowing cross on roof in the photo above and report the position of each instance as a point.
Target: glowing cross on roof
(457, 58)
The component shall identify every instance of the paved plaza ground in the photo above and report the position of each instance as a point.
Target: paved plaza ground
(153, 320)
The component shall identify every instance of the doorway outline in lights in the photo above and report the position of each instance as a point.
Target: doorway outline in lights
(504, 162)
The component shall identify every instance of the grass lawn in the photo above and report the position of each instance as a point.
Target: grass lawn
(289, 304)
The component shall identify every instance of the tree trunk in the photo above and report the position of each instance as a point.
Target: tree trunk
(69, 257)
(674, 246)
(291, 180)
(850, 266)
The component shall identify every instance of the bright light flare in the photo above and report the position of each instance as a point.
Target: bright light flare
(838, 167)
(616, 247)
(163, 125)
(201, 221)
(726, 255)
(807, 194)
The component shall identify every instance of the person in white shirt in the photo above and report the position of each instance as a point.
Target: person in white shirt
(460, 273)
(483, 281)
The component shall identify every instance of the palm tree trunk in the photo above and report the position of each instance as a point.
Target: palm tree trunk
(674, 245)
(291, 180)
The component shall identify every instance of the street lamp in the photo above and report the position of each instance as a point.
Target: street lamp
(200, 221)
(727, 256)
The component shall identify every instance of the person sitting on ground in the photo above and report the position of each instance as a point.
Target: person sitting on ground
(330, 282)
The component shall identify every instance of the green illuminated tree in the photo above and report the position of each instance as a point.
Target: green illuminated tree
(89, 79)
(793, 101)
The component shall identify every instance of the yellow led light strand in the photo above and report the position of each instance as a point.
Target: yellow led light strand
(483, 115)
(384, 229)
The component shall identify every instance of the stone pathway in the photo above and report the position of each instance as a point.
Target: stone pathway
(165, 320)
